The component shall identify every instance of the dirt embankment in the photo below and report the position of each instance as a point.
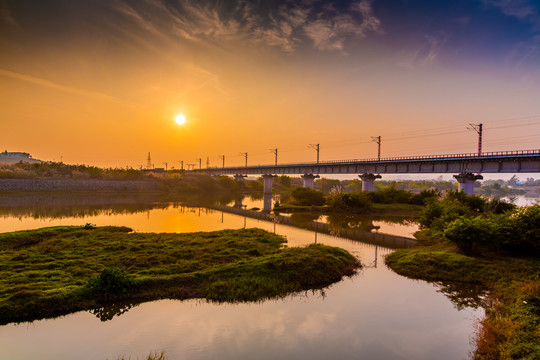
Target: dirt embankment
(76, 185)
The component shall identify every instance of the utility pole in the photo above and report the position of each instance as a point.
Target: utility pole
(377, 139)
(316, 147)
(246, 156)
(478, 129)
(274, 151)
(165, 163)
(207, 162)
(223, 158)
(149, 161)
(200, 163)
(182, 165)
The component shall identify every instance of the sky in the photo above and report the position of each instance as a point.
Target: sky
(100, 82)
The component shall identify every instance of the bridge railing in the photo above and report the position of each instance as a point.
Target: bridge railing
(483, 155)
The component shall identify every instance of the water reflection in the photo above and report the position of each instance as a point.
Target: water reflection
(307, 221)
(79, 206)
(44, 206)
(109, 311)
(464, 295)
(374, 315)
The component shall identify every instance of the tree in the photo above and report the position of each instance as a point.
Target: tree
(513, 181)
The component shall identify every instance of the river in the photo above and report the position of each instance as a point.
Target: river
(375, 314)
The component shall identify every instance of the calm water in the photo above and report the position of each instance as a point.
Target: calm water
(376, 314)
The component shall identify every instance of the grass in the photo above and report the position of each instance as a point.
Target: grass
(511, 327)
(58, 270)
(153, 356)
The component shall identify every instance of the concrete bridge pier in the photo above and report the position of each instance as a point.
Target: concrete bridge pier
(239, 177)
(466, 181)
(267, 202)
(268, 178)
(368, 181)
(308, 180)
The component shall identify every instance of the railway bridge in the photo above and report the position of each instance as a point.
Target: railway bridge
(466, 167)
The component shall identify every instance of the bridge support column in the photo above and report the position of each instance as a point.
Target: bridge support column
(267, 202)
(308, 180)
(368, 181)
(239, 177)
(466, 182)
(268, 178)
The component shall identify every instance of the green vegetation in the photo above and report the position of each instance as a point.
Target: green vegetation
(154, 356)
(337, 201)
(58, 270)
(480, 226)
(51, 170)
(172, 182)
(348, 202)
(489, 244)
(307, 197)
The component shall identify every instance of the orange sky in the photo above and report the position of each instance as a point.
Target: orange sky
(100, 83)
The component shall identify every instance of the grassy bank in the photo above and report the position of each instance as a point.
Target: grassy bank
(469, 242)
(511, 328)
(58, 270)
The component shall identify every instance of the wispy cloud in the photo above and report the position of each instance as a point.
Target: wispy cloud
(285, 26)
(521, 9)
(527, 50)
(64, 88)
(426, 54)
(330, 32)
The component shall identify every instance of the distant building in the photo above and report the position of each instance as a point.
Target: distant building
(7, 157)
(16, 154)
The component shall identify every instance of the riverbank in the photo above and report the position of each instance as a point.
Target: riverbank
(511, 327)
(55, 271)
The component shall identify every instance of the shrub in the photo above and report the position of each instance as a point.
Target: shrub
(285, 181)
(228, 183)
(437, 214)
(307, 197)
(111, 281)
(520, 230)
(348, 201)
(498, 206)
(423, 196)
(470, 235)
(390, 195)
(515, 231)
(473, 202)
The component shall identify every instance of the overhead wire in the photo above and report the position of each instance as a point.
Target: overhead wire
(522, 121)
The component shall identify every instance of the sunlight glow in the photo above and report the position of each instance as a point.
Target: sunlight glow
(180, 119)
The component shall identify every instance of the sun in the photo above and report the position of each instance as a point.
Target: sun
(180, 119)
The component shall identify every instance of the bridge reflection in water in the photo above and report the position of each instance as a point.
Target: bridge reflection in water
(374, 238)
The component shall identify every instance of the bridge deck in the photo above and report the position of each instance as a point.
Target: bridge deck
(527, 161)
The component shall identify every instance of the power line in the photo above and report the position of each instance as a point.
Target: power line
(421, 133)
